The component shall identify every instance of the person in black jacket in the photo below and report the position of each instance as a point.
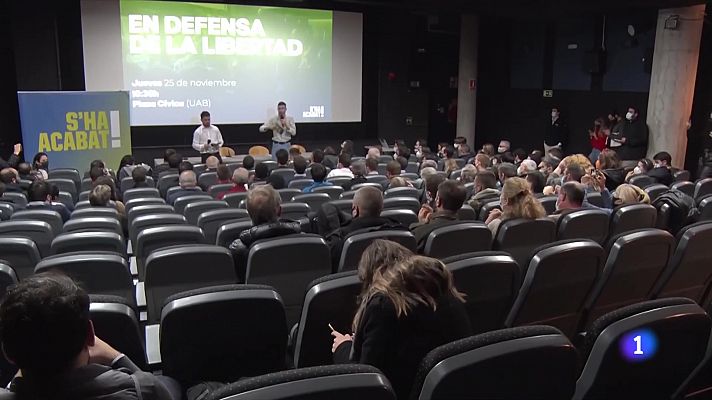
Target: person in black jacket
(661, 171)
(408, 309)
(359, 170)
(556, 132)
(631, 138)
(14, 158)
(451, 195)
(47, 333)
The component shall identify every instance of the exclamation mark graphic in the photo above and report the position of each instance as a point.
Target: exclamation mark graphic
(115, 130)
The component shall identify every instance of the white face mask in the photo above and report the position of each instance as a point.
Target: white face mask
(636, 170)
(554, 114)
(501, 149)
(629, 116)
(657, 165)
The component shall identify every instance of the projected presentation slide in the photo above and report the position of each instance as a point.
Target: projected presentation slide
(237, 62)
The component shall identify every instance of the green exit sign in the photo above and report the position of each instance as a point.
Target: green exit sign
(548, 93)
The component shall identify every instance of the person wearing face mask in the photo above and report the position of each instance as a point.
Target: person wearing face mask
(644, 165)
(556, 132)
(504, 146)
(661, 168)
(631, 139)
(40, 164)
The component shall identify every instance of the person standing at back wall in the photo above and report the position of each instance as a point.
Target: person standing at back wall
(207, 138)
(282, 127)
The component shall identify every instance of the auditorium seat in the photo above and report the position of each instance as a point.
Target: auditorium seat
(286, 195)
(635, 261)
(150, 220)
(288, 264)
(287, 174)
(466, 213)
(148, 209)
(193, 210)
(343, 382)
(181, 268)
(490, 281)
(455, 175)
(18, 199)
(655, 190)
(458, 238)
(556, 286)
(86, 185)
(158, 237)
(686, 187)
(703, 188)
(689, 272)
(404, 217)
(207, 179)
(271, 164)
(402, 203)
(331, 299)
(339, 180)
(533, 362)
(681, 330)
(629, 217)
(88, 241)
(210, 221)
(356, 244)
(20, 253)
(385, 159)
(409, 176)
(6, 211)
(313, 200)
(165, 182)
(115, 322)
(101, 212)
(8, 277)
(487, 208)
(358, 186)
(642, 181)
(97, 272)
(216, 189)
(705, 207)
(198, 169)
(380, 179)
(38, 231)
(181, 202)
(402, 192)
(66, 199)
(222, 334)
(51, 217)
(681, 176)
(520, 237)
(67, 173)
(383, 167)
(138, 193)
(142, 201)
(549, 204)
(128, 184)
(300, 183)
(65, 185)
(234, 199)
(295, 211)
(584, 224)
(348, 195)
(229, 232)
(85, 204)
(412, 167)
(91, 224)
(334, 192)
(343, 205)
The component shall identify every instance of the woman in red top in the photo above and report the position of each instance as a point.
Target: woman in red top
(598, 138)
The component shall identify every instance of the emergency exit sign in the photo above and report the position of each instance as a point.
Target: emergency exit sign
(548, 93)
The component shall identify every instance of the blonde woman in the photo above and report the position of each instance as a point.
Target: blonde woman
(517, 201)
(629, 194)
(450, 166)
(407, 309)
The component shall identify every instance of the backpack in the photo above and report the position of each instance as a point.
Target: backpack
(683, 210)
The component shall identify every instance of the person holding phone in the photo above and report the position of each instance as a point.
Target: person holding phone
(283, 129)
(207, 138)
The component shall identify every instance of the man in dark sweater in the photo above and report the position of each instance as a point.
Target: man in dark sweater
(451, 195)
(556, 132)
(661, 172)
(631, 139)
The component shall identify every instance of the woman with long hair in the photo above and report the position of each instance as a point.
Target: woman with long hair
(609, 163)
(517, 201)
(40, 165)
(629, 194)
(598, 137)
(406, 309)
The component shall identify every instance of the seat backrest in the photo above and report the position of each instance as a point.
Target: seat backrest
(343, 382)
(334, 192)
(380, 179)
(520, 237)
(96, 272)
(300, 183)
(466, 213)
(402, 192)
(645, 350)
(149, 209)
(630, 217)
(339, 180)
(18, 199)
(549, 204)
(308, 258)
(65, 185)
(584, 224)
(295, 210)
(404, 217)
(356, 244)
(85, 185)
(210, 221)
(536, 362)
(39, 232)
(314, 200)
(67, 173)
(138, 193)
(705, 207)
(143, 201)
(595, 199)
(51, 217)
(66, 199)
(165, 182)
(157, 237)
(458, 238)
(207, 179)
(689, 271)
(115, 322)
(248, 338)
(686, 187)
(8, 277)
(21, 254)
(287, 194)
(286, 173)
(214, 190)
(234, 199)
(6, 210)
(490, 281)
(344, 205)
(182, 202)
(641, 181)
(488, 207)
(402, 203)
(681, 176)
(703, 187)
(90, 224)
(102, 212)
(128, 183)
(329, 300)
(655, 190)
(88, 241)
(193, 210)
(181, 268)
(563, 270)
(229, 232)
(635, 262)
(367, 184)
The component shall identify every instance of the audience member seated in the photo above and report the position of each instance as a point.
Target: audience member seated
(174, 162)
(282, 158)
(485, 190)
(488, 149)
(536, 156)
(165, 165)
(40, 164)
(505, 171)
(342, 169)
(546, 167)
(276, 181)
(318, 173)
(261, 174)
(504, 146)
(536, 181)
(449, 166)
(139, 178)
(10, 178)
(449, 199)
(300, 167)
(24, 170)
(482, 162)
(373, 153)
(399, 181)
(371, 166)
(46, 332)
(571, 197)
(263, 205)
(629, 194)
(240, 178)
(517, 201)
(429, 164)
(393, 169)
(403, 163)
(294, 152)
(128, 165)
(609, 163)
(248, 163)
(106, 180)
(40, 198)
(468, 174)
(188, 185)
(331, 159)
(574, 172)
(359, 171)
(406, 311)
(661, 171)
(100, 196)
(54, 196)
(464, 152)
(525, 167)
(187, 166)
(644, 165)
(211, 164)
(223, 173)
(317, 156)
(347, 146)
(519, 156)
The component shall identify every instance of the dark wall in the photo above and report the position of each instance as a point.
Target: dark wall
(698, 137)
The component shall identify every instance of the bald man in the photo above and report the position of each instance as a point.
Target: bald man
(240, 179)
(188, 185)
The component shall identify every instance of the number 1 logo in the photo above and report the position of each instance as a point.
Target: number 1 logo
(638, 345)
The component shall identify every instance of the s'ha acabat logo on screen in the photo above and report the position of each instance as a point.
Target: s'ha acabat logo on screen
(84, 130)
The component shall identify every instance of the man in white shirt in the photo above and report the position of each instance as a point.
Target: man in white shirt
(207, 138)
(282, 127)
(343, 168)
